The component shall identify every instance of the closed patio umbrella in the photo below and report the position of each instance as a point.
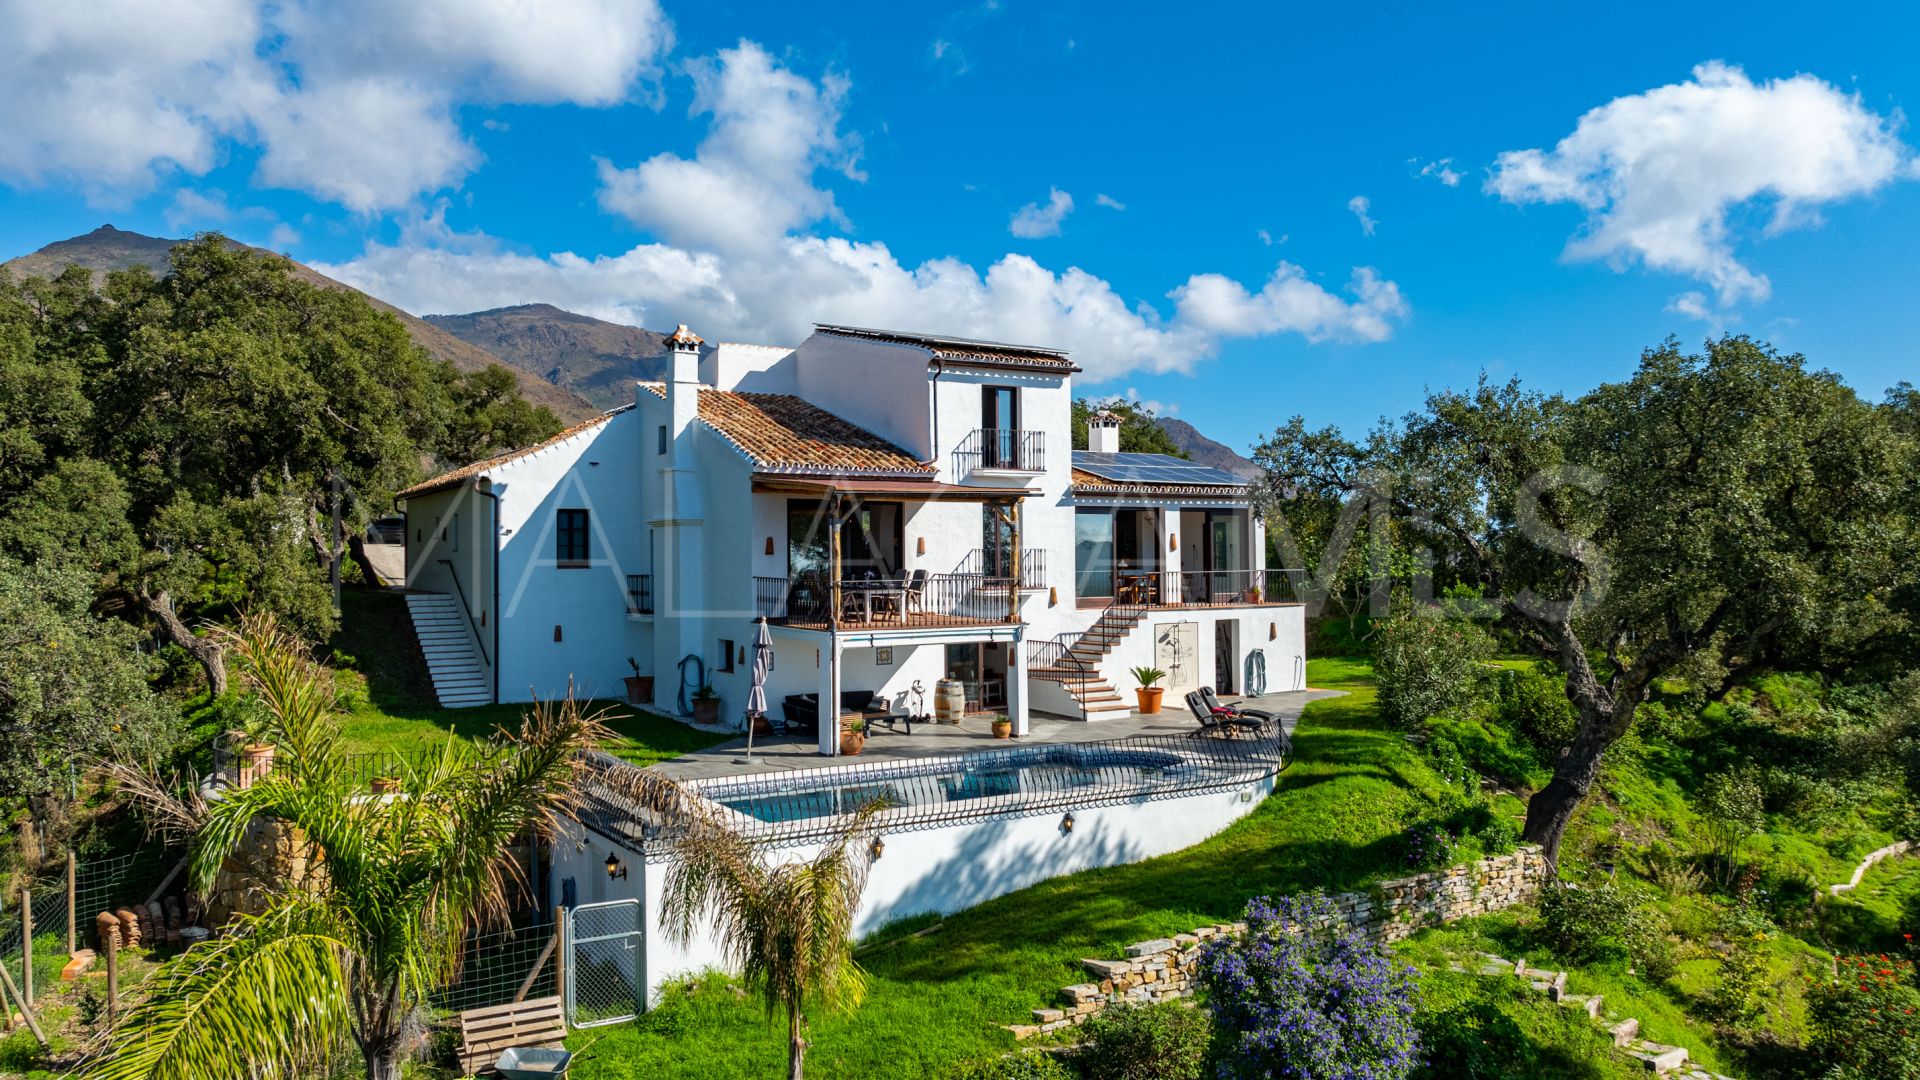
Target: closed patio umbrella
(757, 691)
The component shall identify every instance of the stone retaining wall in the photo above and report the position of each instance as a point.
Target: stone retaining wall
(1900, 847)
(1165, 969)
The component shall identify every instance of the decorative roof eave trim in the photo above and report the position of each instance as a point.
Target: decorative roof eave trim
(483, 468)
(989, 364)
(827, 472)
(1219, 491)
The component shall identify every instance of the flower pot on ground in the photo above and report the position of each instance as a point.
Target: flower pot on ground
(853, 736)
(639, 689)
(1002, 727)
(384, 785)
(706, 705)
(761, 725)
(1149, 691)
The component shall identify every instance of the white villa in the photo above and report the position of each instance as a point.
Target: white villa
(900, 508)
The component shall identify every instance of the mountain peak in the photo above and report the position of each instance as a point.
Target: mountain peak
(1205, 450)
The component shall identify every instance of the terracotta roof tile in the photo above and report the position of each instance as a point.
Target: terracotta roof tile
(481, 468)
(783, 433)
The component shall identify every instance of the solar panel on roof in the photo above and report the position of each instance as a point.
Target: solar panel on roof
(1151, 469)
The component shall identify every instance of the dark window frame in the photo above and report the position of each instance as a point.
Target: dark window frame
(572, 548)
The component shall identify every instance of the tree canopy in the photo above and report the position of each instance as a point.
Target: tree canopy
(1716, 511)
(180, 437)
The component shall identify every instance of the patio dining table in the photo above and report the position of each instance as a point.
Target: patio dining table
(867, 590)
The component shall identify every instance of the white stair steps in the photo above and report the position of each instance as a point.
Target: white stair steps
(446, 643)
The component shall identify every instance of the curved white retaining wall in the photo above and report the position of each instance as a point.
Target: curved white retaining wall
(940, 870)
(1900, 847)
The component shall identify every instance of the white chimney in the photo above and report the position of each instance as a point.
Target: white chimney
(1103, 432)
(683, 385)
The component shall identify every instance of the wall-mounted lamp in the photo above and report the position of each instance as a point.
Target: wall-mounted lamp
(616, 870)
(556, 631)
(769, 545)
(1053, 595)
(1173, 541)
(1273, 631)
(878, 847)
(743, 655)
(1066, 824)
(920, 546)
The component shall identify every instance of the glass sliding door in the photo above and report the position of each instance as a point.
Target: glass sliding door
(1093, 553)
(1000, 419)
(1226, 554)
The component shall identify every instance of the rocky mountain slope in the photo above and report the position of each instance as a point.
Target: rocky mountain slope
(598, 360)
(1205, 450)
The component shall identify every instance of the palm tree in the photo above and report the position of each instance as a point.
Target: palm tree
(352, 952)
(787, 927)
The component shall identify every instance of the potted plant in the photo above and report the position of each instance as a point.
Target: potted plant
(761, 725)
(253, 737)
(1002, 726)
(1149, 691)
(853, 735)
(706, 705)
(639, 687)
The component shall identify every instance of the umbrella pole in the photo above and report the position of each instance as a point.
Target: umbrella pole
(748, 760)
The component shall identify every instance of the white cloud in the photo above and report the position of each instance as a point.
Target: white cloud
(1441, 170)
(1109, 202)
(1034, 221)
(734, 256)
(1658, 173)
(1289, 303)
(283, 237)
(354, 102)
(1359, 205)
(750, 182)
(1267, 239)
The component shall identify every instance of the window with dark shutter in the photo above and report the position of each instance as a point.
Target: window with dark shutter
(570, 540)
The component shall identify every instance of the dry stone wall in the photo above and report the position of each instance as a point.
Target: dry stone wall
(1166, 969)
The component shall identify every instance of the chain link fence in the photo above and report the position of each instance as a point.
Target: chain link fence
(606, 973)
(98, 885)
(496, 968)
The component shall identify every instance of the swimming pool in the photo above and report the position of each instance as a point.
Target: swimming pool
(1002, 778)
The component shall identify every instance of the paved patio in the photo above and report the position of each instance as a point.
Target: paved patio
(778, 752)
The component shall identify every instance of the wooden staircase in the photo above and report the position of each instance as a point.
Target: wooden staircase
(1076, 667)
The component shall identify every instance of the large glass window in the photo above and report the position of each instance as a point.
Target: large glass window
(996, 544)
(870, 540)
(1093, 553)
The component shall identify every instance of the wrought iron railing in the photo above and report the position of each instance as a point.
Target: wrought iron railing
(999, 564)
(1053, 660)
(1009, 449)
(639, 594)
(1160, 589)
(798, 806)
(813, 600)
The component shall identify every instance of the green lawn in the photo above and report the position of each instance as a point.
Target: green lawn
(938, 998)
(391, 707)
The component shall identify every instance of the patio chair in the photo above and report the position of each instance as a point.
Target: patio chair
(1220, 723)
(1214, 703)
(916, 591)
(881, 711)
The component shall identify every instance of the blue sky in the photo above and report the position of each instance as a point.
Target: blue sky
(1175, 199)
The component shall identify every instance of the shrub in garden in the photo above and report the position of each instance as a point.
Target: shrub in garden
(1603, 921)
(1429, 846)
(1862, 1020)
(1301, 997)
(1533, 704)
(1427, 666)
(1732, 808)
(1027, 1065)
(1164, 1041)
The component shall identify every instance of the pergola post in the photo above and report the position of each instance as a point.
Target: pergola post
(829, 712)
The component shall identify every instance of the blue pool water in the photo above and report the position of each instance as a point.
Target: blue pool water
(1041, 771)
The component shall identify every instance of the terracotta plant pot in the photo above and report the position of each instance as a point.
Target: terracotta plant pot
(706, 711)
(639, 689)
(385, 785)
(852, 742)
(1149, 698)
(256, 761)
(762, 725)
(1003, 729)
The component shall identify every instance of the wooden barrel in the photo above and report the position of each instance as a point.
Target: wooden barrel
(949, 701)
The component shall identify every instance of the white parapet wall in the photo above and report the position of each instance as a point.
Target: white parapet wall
(928, 870)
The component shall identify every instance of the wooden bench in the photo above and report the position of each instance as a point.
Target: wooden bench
(484, 1033)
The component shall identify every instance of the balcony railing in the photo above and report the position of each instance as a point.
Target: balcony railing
(1005, 449)
(639, 594)
(999, 564)
(1203, 588)
(809, 600)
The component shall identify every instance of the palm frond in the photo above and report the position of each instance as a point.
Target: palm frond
(263, 1000)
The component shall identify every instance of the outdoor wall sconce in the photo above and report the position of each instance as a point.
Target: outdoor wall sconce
(920, 546)
(1053, 595)
(1173, 541)
(1273, 631)
(743, 655)
(556, 631)
(769, 545)
(878, 847)
(1066, 824)
(616, 870)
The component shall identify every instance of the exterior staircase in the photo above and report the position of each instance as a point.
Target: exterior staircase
(459, 680)
(1076, 666)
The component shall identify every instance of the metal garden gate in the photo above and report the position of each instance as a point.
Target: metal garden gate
(606, 963)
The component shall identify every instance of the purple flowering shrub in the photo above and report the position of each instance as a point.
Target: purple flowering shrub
(1301, 997)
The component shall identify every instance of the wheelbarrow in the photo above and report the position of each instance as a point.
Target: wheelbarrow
(533, 1063)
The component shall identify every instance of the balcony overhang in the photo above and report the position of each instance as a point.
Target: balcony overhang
(871, 487)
